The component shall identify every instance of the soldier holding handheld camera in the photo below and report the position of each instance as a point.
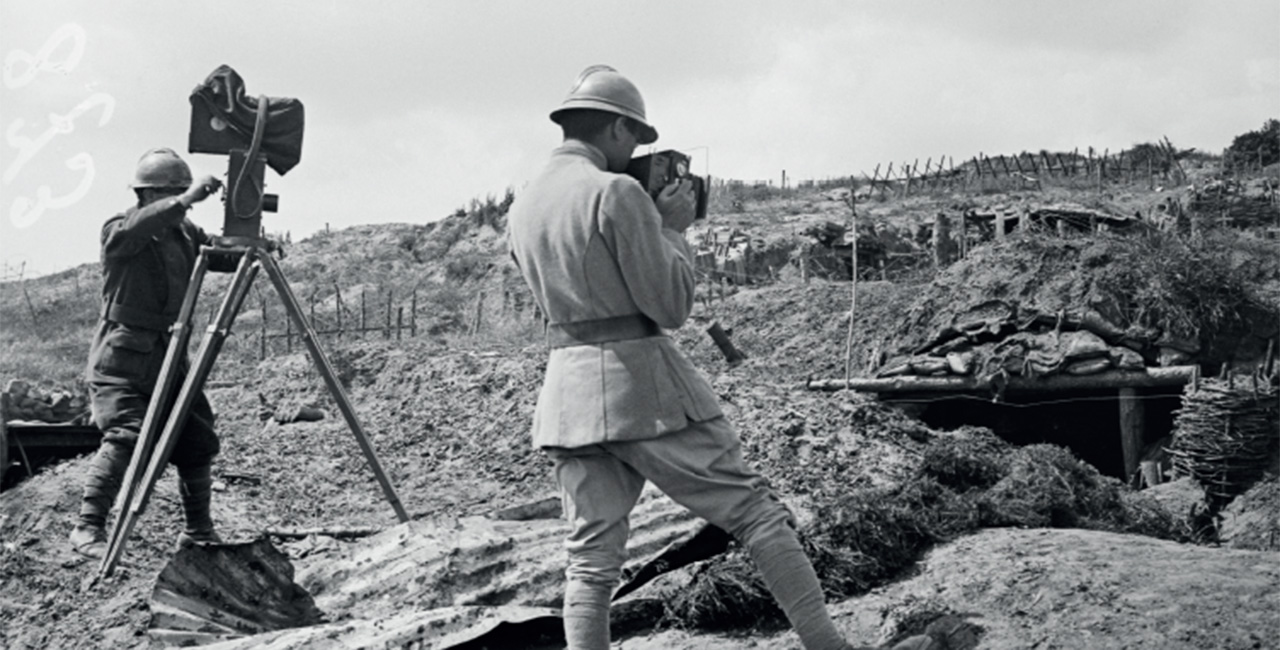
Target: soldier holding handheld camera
(621, 404)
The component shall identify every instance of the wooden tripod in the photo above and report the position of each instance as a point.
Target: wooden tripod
(154, 453)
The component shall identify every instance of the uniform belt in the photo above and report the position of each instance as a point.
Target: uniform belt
(601, 330)
(133, 317)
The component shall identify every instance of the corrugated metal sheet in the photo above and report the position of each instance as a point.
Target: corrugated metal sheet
(437, 584)
(472, 561)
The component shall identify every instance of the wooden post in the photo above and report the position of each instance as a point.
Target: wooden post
(941, 239)
(478, 320)
(1132, 428)
(399, 321)
(1098, 170)
(311, 306)
(288, 335)
(413, 314)
(804, 267)
(362, 313)
(337, 292)
(386, 331)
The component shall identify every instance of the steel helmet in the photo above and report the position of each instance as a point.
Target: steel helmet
(161, 168)
(602, 88)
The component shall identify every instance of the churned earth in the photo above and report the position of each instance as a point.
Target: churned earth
(1082, 562)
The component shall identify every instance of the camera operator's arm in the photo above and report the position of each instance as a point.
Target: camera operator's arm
(125, 235)
(653, 257)
(677, 205)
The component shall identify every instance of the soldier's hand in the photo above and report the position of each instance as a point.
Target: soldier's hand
(201, 189)
(677, 205)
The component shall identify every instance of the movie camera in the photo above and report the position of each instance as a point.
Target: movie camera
(657, 170)
(255, 133)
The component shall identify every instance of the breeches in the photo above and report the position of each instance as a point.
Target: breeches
(119, 411)
(700, 467)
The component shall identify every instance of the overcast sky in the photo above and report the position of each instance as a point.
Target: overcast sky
(415, 108)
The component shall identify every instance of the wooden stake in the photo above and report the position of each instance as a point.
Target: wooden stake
(386, 331)
(853, 287)
(941, 237)
(337, 292)
(476, 323)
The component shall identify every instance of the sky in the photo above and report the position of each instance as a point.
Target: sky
(413, 109)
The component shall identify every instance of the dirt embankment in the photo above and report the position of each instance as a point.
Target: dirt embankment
(450, 425)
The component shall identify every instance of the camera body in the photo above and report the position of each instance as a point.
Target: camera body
(657, 170)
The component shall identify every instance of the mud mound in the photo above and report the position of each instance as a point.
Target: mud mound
(862, 538)
(1252, 521)
(1150, 287)
(801, 330)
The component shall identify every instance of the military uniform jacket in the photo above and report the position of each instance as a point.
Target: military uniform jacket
(147, 257)
(591, 245)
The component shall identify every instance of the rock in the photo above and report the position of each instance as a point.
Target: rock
(303, 413)
(18, 388)
(1182, 497)
(60, 402)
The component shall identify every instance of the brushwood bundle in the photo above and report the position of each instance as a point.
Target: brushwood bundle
(1224, 434)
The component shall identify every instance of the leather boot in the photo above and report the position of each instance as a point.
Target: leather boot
(106, 470)
(195, 485)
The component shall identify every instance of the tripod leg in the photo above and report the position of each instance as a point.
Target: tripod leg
(164, 383)
(209, 348)
(330, 379)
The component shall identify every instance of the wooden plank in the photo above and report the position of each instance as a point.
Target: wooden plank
(53, 436)
(1151, 377)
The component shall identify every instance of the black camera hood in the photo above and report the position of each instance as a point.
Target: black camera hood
(223, 118)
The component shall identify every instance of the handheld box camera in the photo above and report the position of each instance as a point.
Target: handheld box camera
(656, 171)
(255, 133)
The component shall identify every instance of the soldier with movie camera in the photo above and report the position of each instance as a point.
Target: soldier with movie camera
(148, 253)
